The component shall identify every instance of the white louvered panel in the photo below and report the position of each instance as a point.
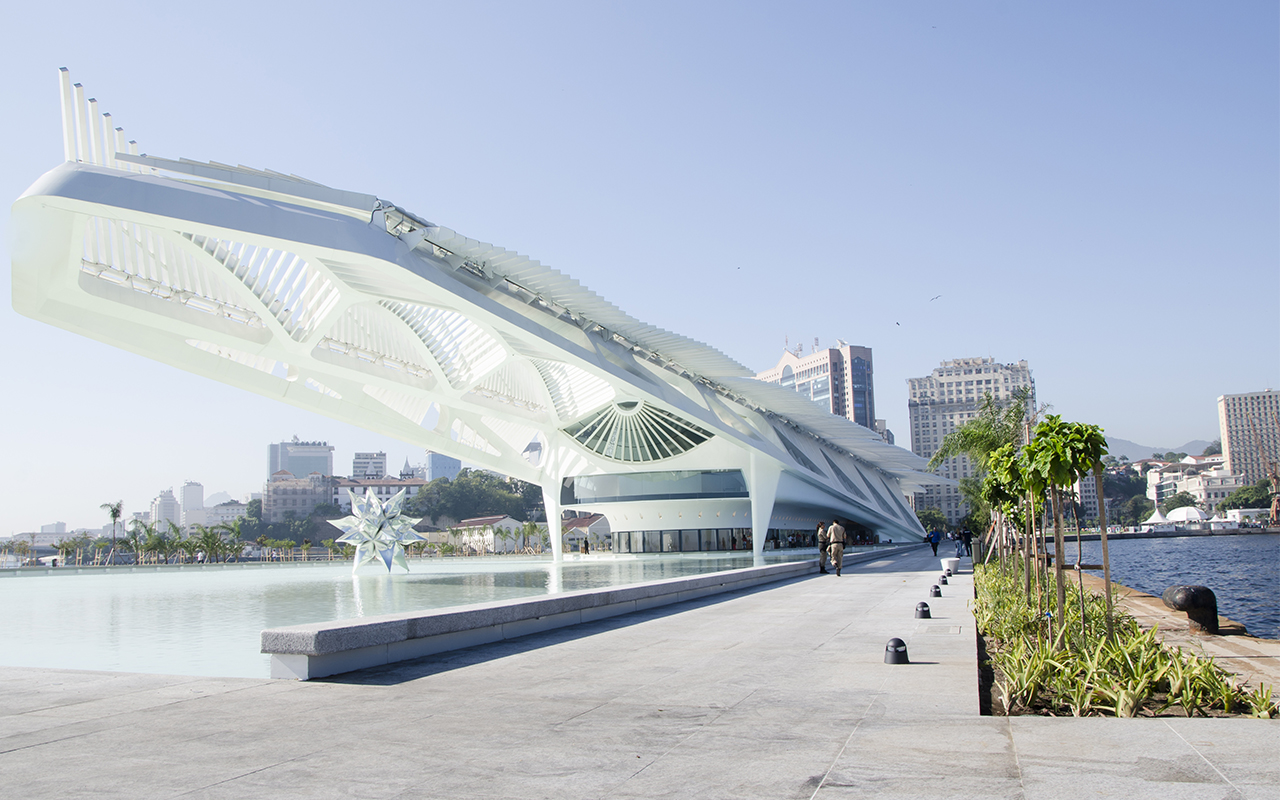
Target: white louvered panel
(415, 408)
(279, 369)
(513, 383)
(513, 434)
(466, 436)
(128, 254)
(574, 391)
(295, 292)
(463, 349)
(376, 338)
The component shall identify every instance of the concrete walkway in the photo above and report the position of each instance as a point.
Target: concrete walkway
(778, 692)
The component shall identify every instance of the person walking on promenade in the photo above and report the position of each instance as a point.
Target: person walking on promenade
(836, 534)
(824, 541)
(968, 542)
(934, 538)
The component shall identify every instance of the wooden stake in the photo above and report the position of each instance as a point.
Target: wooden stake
(1106, 561)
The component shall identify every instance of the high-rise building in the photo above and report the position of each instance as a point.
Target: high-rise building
(192, 499)
(165, 508)
(300, 458)
(368, 465)
(838, 378)
(946, 399)
(1250, 428)
(442, 466)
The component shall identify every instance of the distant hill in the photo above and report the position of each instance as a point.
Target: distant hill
(1123, 447)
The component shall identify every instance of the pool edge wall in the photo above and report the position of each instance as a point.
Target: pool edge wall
(318, 650)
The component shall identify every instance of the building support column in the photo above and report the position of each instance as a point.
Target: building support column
(762, 485)
(551, 502)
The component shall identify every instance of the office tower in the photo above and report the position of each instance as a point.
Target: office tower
(838, 378)
(300, 458)
(442, 466)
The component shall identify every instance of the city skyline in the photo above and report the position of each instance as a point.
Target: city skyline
(974, 172)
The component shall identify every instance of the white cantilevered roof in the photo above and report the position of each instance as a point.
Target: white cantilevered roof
(701, 360)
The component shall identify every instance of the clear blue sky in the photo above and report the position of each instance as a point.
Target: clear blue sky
(1091, 187)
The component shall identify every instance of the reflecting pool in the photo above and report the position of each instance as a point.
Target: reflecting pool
(207, 620)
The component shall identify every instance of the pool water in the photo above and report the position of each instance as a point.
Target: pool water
(208, 621)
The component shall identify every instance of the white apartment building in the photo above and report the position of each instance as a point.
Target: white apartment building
(837, 378)
(192, 500)
(948, 397)
(1206, 478)
(369, 465)
(1249, 425)
(1085, 492)
(165, 508)
(225, 512)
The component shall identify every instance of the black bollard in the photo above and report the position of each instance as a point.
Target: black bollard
(1199, 602)
(935, 592)
(895, 652)
(942, 580)
(922, 611)
(949, 572)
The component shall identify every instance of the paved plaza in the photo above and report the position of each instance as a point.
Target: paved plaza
(775, 692)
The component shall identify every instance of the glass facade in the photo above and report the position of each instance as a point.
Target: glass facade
(725, 539)
(635, 486)
(690, 541)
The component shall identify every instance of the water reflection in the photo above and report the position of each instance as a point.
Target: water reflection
(208, 622)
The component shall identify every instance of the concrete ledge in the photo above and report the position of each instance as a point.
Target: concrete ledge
(302, 652)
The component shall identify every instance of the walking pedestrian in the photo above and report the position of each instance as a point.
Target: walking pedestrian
(836, 534)
(934, 538)
(824, 541)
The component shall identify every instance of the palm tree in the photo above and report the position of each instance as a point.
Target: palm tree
(235, 536)
(997, 423)
(114, 510)
(137, 533)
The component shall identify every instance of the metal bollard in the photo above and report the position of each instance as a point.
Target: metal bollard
(895, 652)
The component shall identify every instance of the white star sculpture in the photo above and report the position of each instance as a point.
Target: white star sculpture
(378, 530)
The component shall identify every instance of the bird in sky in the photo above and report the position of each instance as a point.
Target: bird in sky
(935, 297)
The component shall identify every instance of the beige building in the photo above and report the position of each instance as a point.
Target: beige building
(837, 378)
(1250, 428)
(947, 398)
(285, 494)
